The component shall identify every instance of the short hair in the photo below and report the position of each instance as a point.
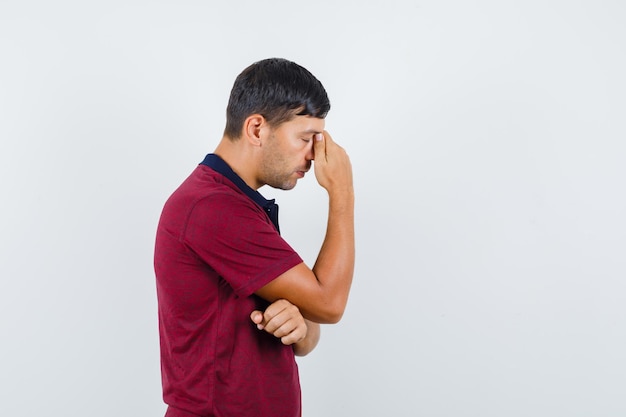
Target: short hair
(278, 90)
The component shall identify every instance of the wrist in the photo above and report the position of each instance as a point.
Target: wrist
(341, 193)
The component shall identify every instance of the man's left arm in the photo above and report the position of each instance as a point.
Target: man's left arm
(283, 320)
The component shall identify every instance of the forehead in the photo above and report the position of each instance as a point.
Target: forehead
(303, 124)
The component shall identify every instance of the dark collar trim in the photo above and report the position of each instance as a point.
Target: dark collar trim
(219, 165)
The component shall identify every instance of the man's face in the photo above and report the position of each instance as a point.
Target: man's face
(288, 152)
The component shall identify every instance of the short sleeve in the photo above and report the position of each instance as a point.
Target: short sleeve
(234, 237)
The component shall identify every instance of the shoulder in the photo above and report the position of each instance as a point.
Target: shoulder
(205, 196)
(205, 187)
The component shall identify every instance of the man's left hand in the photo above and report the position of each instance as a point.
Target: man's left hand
(283, 320)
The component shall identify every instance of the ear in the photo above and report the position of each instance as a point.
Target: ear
(253, 129)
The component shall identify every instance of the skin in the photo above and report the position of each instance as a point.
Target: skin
(284, 320)
(279, 156)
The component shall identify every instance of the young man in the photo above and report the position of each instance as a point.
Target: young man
(236, 302)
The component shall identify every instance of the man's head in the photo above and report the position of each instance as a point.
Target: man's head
(276, 89)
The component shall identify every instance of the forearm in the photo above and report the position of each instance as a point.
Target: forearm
(334, 267)
(306, 345)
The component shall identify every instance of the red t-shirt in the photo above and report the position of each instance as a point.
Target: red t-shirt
(214, 248)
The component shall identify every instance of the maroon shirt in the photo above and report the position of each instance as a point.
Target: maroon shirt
(214, 248)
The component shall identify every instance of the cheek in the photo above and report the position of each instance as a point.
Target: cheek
(305, 147)
(294, 150)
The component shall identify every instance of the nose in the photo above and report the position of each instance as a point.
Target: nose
(310, 154)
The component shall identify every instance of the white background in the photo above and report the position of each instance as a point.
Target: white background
(488, 144)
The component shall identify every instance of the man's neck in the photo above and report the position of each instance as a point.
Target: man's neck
(240, 158)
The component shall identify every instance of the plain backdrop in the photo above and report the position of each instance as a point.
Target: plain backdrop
(488, 141)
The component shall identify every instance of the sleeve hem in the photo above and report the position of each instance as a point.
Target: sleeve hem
(268, 275)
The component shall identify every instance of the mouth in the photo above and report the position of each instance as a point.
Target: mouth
(301, 172)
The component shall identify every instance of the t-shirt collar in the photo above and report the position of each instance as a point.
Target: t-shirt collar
(219, 165)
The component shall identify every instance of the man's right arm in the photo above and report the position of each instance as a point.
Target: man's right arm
(321, 293)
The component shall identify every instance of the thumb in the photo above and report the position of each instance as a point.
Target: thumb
(257, 317)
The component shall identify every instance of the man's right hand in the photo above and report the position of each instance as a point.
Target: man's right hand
(332, 164)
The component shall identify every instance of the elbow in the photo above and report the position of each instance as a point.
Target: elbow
(334, 319)
(335, 316)
(331, 313)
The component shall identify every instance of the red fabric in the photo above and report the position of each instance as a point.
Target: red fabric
(214, 248)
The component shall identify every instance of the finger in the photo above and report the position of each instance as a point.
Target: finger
(330, 145)
(327, 137)
(272, 311)
(257, 318)
(319, 147)
(296, 335)
(291, 339)
(281, 319)
(275, 309)
(285, 328)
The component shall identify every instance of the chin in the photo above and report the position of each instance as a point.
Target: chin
(288, 186)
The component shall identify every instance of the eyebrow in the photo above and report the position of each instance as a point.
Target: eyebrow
(313, 131)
